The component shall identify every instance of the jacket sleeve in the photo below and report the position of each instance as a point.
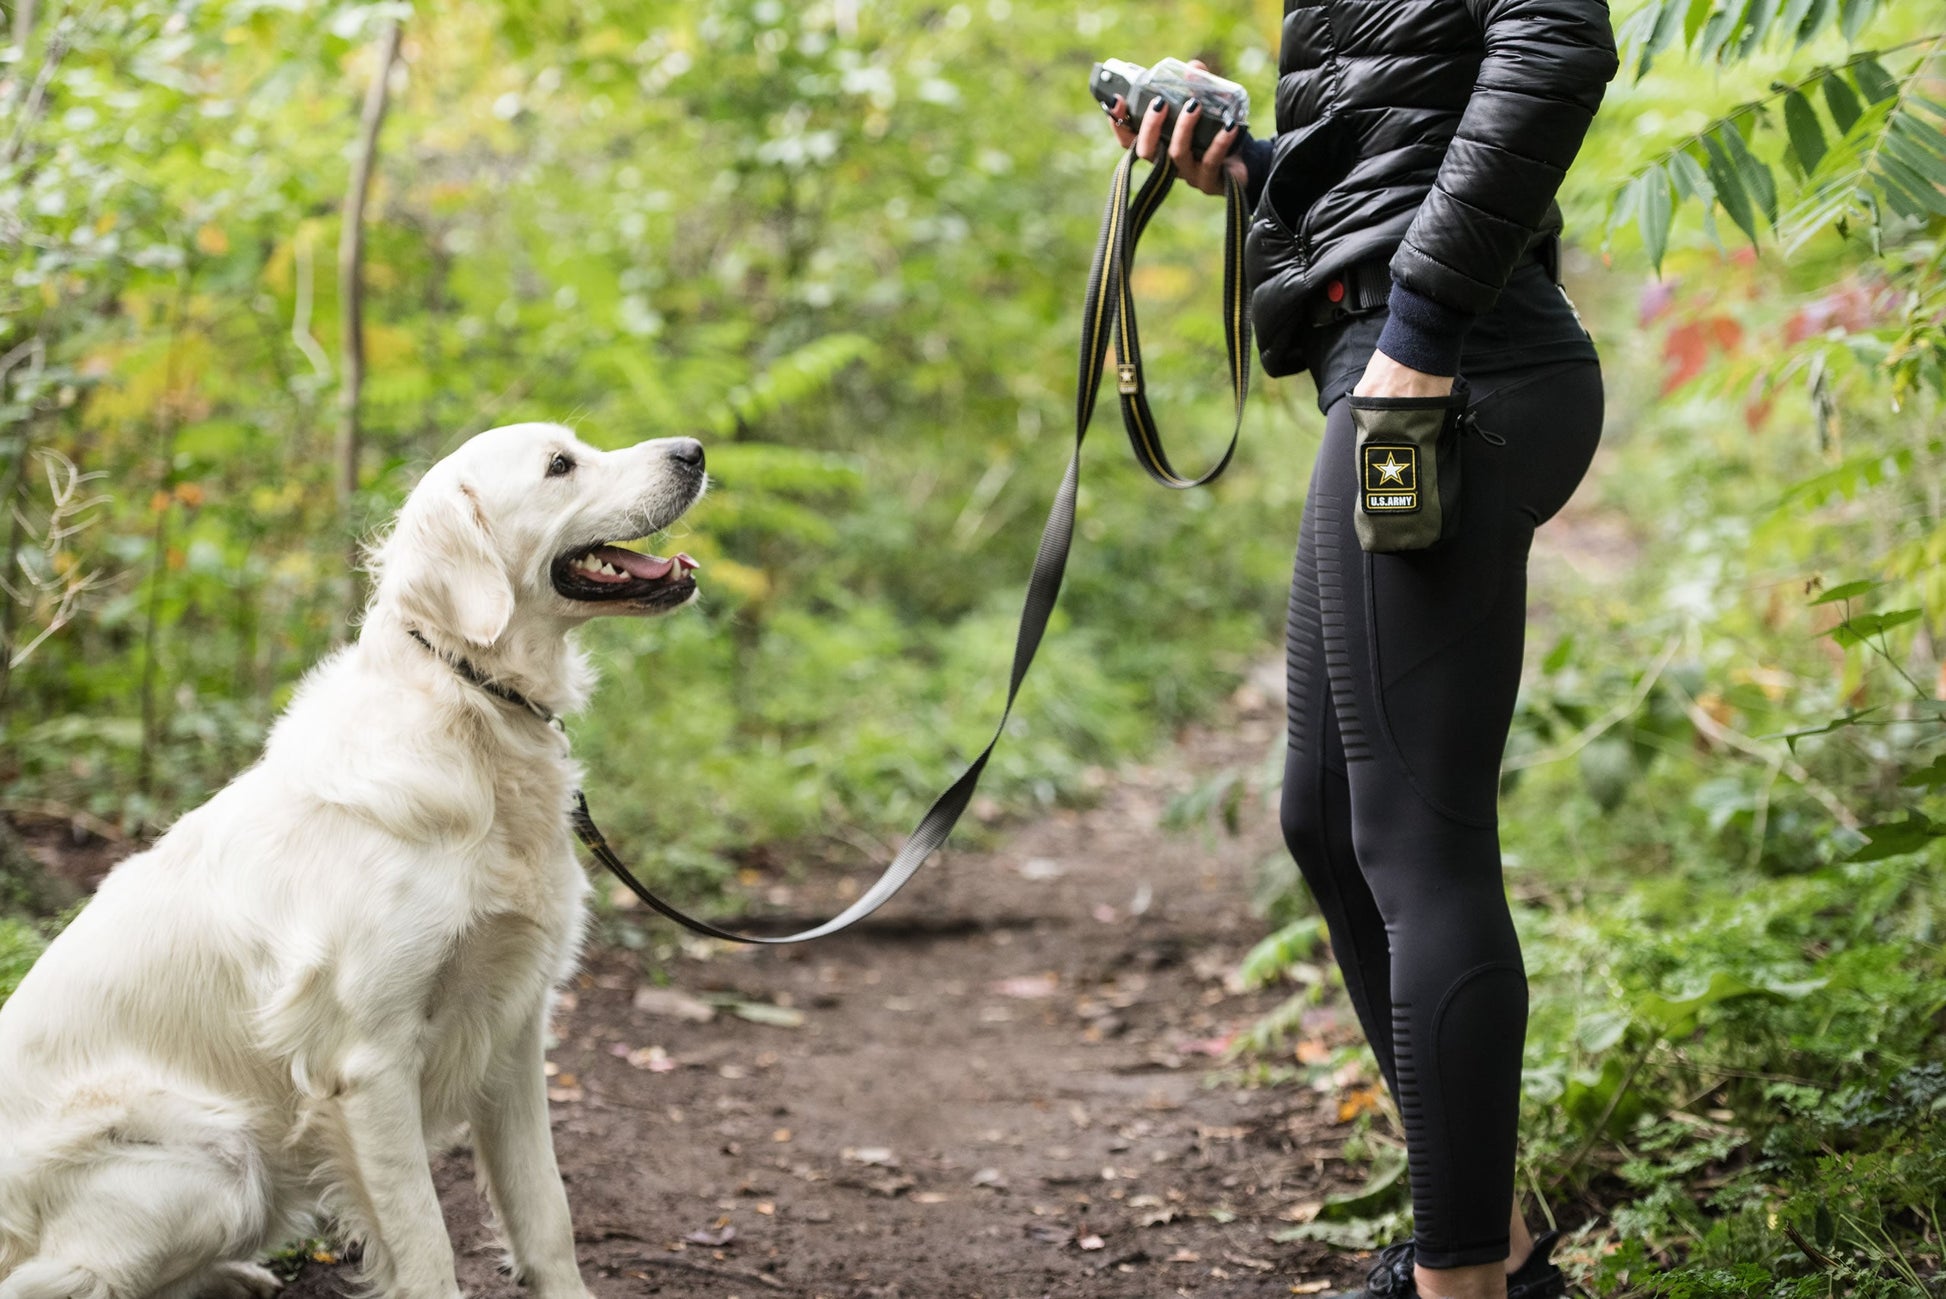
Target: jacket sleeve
(1541, 79)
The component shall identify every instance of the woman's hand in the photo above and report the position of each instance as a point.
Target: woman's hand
(1385, 377)
(1205, 173)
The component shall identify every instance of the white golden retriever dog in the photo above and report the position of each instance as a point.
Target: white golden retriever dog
(272, 1017)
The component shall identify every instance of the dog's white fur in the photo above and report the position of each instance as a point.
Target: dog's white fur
(272, 1016)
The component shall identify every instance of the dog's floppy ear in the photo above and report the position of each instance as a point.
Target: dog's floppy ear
(443, 559)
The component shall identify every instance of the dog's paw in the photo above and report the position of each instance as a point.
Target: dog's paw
(238, 1281)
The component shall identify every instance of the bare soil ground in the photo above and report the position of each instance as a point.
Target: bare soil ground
(1010, 1084)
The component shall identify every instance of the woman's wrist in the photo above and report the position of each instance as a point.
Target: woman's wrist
(1423, 334)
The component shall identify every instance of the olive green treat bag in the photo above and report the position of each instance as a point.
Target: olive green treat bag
(1408, 469)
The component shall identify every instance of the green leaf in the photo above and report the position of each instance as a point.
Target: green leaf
(1295, 942)
(1557, 658)
(1928, 166)
(1385, 1187)
(1872, 78)
(1721, 28)
(1816, 15)
(1690, 182)
(1792, 21)
(1844, 106)
(1762, 14)
(1806, 133)
(1668, 24)
(1924, 192)
(1857, 630)
(1853, 15)
(1897, 838)
(1698, 13)
(1729, 186)
(1657, 204)
(1754, 174)
(1676, 1015)
(1931, 777)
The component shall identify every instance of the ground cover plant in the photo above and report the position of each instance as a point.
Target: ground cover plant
(845, 244)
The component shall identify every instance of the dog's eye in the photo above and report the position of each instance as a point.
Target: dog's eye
(560, 466)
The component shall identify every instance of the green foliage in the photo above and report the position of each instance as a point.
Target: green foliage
(1857, 144)
(1723, 808)
(20, 946)
(844, 244)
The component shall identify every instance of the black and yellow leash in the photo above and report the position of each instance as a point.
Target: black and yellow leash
(1108, 315)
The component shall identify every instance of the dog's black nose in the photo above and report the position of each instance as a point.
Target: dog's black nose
(689, 451)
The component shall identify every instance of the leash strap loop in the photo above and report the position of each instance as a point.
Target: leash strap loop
(1109, 315)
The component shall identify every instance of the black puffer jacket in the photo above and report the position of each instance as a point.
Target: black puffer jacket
(1432, 132)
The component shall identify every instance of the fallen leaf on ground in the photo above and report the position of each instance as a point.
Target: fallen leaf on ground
(652, 1058)
(1210, 1046)
(930, 1197)
(1184, 1256)
(870, 1156)
(762, 1012)
(1356, 1103)
(990, 1177)
(1092, 1243)
(1310, 1287)
(670, 1004)
(1028, 987)
(722, 1235)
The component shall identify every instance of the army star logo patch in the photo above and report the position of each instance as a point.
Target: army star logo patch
(1391, 479)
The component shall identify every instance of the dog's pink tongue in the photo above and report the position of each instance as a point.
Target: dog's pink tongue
(649, 568)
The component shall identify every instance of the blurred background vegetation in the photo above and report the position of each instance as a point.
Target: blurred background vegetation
(844, 243)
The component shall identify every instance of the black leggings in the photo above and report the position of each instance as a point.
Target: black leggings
(1403, 670)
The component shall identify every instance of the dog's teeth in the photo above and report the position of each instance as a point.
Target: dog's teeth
(611, 570)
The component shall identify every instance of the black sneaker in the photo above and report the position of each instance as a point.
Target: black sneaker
(1538, 1278)
(1392, 1278)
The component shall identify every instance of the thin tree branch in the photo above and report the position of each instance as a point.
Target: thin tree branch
(1712, 729)
(30, 111)
(351, 294)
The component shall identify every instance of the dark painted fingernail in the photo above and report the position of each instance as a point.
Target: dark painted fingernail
(1192, 106)
(1157, 104)
(1230, 122)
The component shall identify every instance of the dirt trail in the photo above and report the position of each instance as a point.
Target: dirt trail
(1008, 1085)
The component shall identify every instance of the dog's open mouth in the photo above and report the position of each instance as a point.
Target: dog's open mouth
(608, 572)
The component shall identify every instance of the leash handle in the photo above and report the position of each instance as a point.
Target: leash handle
(1109, 314)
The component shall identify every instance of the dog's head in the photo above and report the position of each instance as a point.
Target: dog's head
(526, 519)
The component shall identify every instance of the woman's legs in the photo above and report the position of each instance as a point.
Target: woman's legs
(1393, 778)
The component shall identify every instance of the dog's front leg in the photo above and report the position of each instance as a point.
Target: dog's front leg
(407, 1251)
(515, 1148)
